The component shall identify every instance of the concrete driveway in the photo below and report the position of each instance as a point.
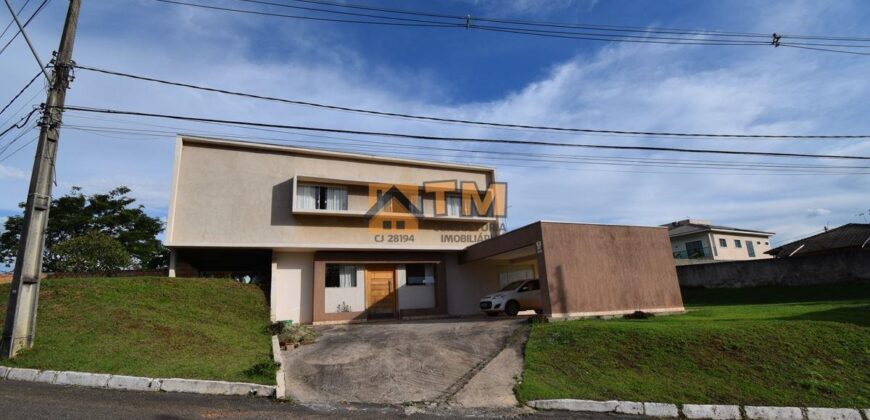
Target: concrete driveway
(395, 362)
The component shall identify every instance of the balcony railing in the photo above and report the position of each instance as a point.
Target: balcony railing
(694, 254)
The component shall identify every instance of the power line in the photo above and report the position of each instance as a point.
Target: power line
(33, 15)
(176, 129)
(587, 26)
(21, 123)
(9, 25)
(20, 92)
(474, 122)
(461, 139)
(711, 167)
(605, 33)
(253, 12)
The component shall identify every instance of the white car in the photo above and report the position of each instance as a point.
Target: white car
(517, 296)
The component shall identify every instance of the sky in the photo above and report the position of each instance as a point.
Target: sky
(470, 74)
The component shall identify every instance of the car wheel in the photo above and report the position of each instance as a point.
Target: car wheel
(512, 308)
(492, 313)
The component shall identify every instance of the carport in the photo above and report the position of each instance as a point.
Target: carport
(590, 270)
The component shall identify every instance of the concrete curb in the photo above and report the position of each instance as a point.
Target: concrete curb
(136, 383)
(281, 388)
(703, 411)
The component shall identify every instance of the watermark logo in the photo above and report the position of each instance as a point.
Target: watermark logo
(395, 211)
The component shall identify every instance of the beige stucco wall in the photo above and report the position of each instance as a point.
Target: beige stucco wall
(292, 286)
(353, 297)
(236, 196)
(731, 252)
(467, 283)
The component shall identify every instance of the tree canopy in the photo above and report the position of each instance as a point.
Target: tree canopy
(76, 215)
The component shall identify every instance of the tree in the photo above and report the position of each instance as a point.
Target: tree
(113, 214)
(93, 252)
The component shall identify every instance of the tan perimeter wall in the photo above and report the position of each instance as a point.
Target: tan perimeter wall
(230, 196)
(600, 270)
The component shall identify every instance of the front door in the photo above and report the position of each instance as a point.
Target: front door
(381, 292)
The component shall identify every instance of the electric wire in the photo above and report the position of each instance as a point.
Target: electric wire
(472, 122)
(603, 33)
(525, 155)
(461, 139)
(20, 92)
(27, 22)
(9, 25)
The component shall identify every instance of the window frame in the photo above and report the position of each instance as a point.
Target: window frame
(723, 243)
(424, 277)
(354, 278)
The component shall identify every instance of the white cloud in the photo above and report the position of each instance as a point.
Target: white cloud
(661, 88)
(818, 212)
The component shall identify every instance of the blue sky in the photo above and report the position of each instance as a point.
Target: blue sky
(484, 76)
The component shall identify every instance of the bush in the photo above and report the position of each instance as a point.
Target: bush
(94, 252)
(295, 335)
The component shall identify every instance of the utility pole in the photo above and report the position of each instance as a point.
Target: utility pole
(23, 298)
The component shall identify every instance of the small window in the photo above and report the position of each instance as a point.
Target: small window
(319, 197)
(454, 204)
(723, 243)
(340, 275)
(758, 242)
(767, 243)
(738, 244)
(419, 274)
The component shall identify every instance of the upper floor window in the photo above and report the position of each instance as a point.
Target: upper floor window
(319, 197)
(737, 243)
(454, 204)
(723, 243)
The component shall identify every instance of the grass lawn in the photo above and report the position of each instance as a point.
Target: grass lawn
(804, 346)
(155, 327)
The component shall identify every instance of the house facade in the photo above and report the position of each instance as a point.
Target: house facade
(341, 237)
(694, 240)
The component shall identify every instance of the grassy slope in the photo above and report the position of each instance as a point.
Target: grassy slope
(775, 346)
(156, 327)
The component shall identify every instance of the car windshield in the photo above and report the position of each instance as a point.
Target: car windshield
(512, 286)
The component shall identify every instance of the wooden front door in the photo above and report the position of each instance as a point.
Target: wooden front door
(381, 292)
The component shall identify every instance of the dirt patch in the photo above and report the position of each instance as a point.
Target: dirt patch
(393, 363)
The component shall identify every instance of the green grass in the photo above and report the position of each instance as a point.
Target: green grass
(804, 346)
(155, 327)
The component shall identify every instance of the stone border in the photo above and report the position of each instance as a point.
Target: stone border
(136, 383)
(703, 411)
(281, 388)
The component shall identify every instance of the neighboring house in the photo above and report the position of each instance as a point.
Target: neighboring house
(852, 236)
(341, 237)
(700, 240)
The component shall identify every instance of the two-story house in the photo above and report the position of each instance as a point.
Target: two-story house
(700, 240)
(339, 237)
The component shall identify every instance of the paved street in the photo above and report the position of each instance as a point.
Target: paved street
(26, 400)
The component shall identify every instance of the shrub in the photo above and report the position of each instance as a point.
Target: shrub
(295, 335)
(91, 253)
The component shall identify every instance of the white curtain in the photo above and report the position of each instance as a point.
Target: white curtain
(347, 276)
(336, 198)
(430, 274)
(454, 204)
(306, 196)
